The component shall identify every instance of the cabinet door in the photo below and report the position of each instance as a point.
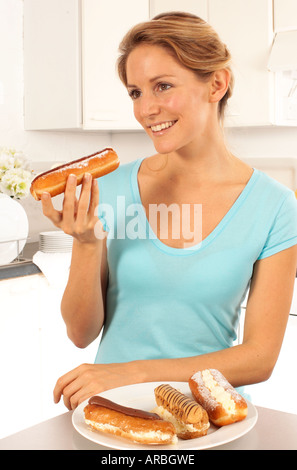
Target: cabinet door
(52, 78)
(285, 15)
(197, 7)
(106, 104)
(247, 30)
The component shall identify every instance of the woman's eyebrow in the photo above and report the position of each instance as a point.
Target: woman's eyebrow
(153, 79)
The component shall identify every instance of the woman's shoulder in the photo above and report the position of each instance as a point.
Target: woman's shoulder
(118, 182)
(123, 171)
(269, 184)
(271, 196)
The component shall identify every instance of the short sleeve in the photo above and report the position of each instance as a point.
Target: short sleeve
(102, 209)
(283, 232)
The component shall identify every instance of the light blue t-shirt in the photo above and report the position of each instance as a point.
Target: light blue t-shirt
(165, 302)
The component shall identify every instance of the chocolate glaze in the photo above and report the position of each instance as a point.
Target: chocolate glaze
(73, 162)
(100, 401)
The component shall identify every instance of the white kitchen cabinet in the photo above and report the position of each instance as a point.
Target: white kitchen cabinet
(106, 103)
(283, 62)
(197, 7)
(247, 30)
(252, 103)
(70, 52)
(34, 351)
(52, 64)
(285, 15)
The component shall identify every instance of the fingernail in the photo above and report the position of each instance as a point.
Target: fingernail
(45, 196)
(72, 179)
(87, 177)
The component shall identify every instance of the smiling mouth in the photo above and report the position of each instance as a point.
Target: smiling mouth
(162, 126)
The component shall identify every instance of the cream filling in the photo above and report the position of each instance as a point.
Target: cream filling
(152, 435)
(162, 126)
(180, 427)
(219, 393)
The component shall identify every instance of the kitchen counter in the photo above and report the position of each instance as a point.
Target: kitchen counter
(22, 267)
(274, 430)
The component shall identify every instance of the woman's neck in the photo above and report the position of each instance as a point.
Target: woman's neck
(208, 159)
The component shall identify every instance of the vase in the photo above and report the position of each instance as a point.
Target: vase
(14, 229)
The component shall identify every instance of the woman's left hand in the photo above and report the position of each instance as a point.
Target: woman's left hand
(87, 380)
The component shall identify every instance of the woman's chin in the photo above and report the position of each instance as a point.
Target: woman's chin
(164, 147)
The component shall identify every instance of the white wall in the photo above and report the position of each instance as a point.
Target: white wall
(42, 146)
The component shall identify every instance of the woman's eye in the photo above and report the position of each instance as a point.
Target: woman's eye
(163, 86)
(134, 94)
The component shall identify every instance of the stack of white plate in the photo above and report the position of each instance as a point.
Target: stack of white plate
(55, 242)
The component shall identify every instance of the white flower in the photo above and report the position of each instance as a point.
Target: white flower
(20, 161)
(15, 174)
(6, 161)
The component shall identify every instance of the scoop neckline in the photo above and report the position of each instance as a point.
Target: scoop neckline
(210, 237)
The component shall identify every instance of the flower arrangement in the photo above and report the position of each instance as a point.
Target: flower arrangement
(15, 173)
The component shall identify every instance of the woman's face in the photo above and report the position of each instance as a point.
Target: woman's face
(170, 102)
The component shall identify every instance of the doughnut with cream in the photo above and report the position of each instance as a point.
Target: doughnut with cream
(224, 405)
(188, 417)
(54, 181)
(130, 423)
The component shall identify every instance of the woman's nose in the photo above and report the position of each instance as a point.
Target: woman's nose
(148, 106)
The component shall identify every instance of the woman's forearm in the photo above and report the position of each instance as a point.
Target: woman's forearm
(241, 365)
(82, 305)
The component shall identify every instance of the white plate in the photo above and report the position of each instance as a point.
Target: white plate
(142, 396)
(54, 234)
(55, 242)
(13, 226)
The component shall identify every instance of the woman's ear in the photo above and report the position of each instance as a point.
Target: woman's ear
(219, 85)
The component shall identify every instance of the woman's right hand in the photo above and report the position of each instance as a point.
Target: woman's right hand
(78, 217)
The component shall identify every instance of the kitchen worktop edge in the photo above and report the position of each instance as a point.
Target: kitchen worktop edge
(23, 267)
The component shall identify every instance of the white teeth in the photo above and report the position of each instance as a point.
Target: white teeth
(162, 126)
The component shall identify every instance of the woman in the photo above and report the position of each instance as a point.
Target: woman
(169, 300)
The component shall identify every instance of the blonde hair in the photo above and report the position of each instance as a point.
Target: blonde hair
(192, 41)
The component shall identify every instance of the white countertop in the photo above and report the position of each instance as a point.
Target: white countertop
(274, 430)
